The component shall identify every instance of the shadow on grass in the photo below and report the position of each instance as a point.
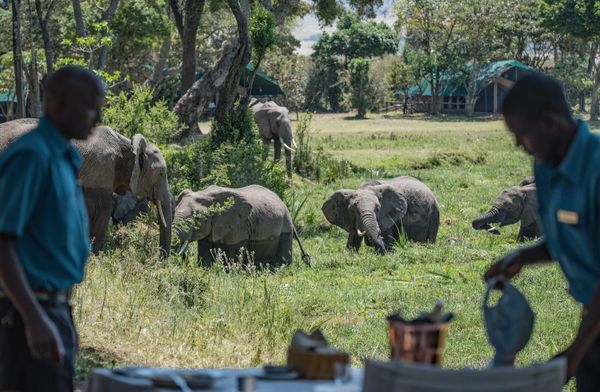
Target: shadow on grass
(90, 357)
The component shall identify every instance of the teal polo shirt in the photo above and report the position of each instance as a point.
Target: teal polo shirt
(569, 209)
(43, 207)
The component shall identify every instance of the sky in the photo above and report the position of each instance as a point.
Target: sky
(308, 30)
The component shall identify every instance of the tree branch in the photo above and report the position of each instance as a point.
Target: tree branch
(177, 17)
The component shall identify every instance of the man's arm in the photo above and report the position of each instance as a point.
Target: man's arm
(588, 332)
(511, 264)
(42, 336)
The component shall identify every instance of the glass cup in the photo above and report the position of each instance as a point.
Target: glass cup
(341, 373)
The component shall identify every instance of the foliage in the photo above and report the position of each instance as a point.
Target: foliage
(185, 164)
(361, 87)
(332, 54)
(314, 163)
(291, 73)
(136, 113)
(263, 33)
(235, 128)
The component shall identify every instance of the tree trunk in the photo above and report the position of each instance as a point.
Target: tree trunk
(18, 56)
(581, 102)
(43, 21)
(187, 26)
(163, 56)
(594, 103)
(106, 17)
(79, 26)
(35, 102)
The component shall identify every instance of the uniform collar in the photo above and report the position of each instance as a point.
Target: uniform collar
(574, 164)
(57, 143)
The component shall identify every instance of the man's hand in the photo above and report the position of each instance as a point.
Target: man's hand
(44, 341)
(506, 267)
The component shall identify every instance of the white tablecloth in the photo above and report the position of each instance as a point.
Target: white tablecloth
(105, 380)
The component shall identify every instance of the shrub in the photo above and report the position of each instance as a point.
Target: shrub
(135, 112)
(185, 164)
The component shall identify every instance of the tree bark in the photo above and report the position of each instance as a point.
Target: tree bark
(43, 21)
(79, 26)
(187, 23)
(595, 87)
(106, 17)
(18, 56)
(159, 68)
(35, 102)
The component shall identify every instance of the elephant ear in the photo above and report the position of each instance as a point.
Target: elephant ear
(337, 210)
(530, 206)
(232, 222)
(181, 196)
(393, 206)
(138, 145)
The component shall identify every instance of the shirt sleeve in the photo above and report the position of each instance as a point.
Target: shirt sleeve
(22, 178)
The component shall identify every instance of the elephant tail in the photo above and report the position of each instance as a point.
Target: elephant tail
(434, 224)
(305, 256)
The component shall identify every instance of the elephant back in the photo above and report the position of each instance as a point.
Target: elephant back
(12, 130)
(101, 155)
(269, 213)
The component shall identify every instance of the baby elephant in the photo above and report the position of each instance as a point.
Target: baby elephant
(252, 219)
(381, 210)
(518, 203)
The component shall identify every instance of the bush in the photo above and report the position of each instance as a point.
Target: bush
(315, 163)
(185, 164)
(134, 113)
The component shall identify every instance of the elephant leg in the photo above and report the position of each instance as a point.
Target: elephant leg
(354, 242)
(266, 146)
(99, 205)
(205, 257)
(390, 238)
(284, 249)
(277, 143)
(288, 163)
(528, 232)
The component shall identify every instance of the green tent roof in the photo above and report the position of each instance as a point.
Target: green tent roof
(452, 86)
(8, 96)
(264, 85)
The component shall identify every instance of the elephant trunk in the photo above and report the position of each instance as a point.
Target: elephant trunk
(165, 221)
(371, 228)
(494, 215)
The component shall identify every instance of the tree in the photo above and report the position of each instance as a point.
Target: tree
(360, 85)
(580, 19)
(187, 20)
(332, 54)
(43, 18)
(429, 29)
(263, 35)
(18, 56)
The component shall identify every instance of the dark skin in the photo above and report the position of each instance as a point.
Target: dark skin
(74, 113)
(548, 140)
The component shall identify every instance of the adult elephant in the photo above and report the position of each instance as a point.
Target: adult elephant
(274, 124)
(515, 204)
(113, 163)
(382, 210)
(252, 219)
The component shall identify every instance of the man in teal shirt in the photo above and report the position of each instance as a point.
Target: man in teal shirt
(567, 175)
(44, 237)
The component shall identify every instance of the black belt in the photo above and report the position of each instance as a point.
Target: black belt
(58, 296)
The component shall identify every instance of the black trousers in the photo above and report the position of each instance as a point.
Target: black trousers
(587, 375)
(18, 370)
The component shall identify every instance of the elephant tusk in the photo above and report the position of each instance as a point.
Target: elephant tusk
(290, 149)
(160, 213)
(361, 233)
(183, 247)
(294, 143)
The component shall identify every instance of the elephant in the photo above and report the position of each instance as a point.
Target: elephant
(381, 210)
(257, 222)
(126, 208)
(113, 163)
(274, 123)
(518, 203)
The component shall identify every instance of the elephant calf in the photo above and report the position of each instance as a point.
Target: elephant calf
(381, 210)
(518, 203)
(257, 222)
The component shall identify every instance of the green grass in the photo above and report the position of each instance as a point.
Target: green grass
(132, 309)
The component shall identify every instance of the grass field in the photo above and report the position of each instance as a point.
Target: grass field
(131, 309)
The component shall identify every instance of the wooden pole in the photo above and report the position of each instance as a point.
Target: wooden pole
(495, 97)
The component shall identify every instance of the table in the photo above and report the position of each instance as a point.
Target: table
(105, 380)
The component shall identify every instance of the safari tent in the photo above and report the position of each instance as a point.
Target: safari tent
(8, 101)
(493, 84)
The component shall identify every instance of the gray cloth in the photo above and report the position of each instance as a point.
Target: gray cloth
(104, 380)
(508, 324)
(399, 376)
